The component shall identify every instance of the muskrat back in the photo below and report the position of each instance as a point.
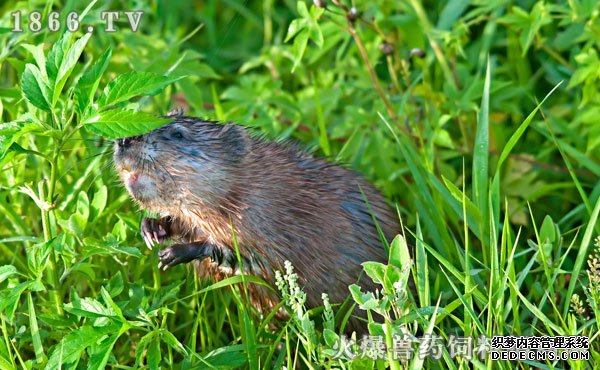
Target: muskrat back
(208, 181)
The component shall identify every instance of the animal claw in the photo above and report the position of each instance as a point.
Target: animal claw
(148, 242)
(153, 232)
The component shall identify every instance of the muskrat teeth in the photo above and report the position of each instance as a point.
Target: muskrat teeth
(153, 232)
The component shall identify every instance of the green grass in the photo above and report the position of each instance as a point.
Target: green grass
(480, 126)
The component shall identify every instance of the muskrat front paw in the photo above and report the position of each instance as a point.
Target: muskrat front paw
(154, 230)
(167, 257)
(182, 253)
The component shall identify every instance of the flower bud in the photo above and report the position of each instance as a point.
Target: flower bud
(320, 3)
(352, 15)
(386, 48)
(417, 53)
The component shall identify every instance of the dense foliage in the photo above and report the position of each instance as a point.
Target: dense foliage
(478, 119)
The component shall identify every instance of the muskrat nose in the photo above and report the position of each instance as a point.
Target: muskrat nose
(127, 141)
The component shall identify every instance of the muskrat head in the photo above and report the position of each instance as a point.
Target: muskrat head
(187, 162)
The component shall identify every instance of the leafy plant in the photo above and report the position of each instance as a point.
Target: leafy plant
(65, 105)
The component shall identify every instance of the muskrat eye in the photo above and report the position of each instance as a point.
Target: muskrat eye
(177, 135)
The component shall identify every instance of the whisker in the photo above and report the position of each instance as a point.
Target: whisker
(165, 169)
(89, 140)
(114, 181)
(84, 161)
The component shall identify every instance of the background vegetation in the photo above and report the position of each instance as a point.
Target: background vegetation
(436, 102)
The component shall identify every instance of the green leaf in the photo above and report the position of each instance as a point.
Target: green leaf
(108, 247)
(442, 138)
(118, 123)
(229, 357)
(330, 337)
(88, 83)
(37, 258)
(295, 26)
(399, 254)
(99, 202)
(481, 150)
(153, 355)
(582, 254)
(452, 11)
(88, 269)
(304, 28)
(299, 47)
(392, 275)
(4, 356)
(417, 362)
(102, 351)
(56, 55)
(10, 298)
(35, 331)
(115, 285)
(375, 271)
(519, 132)
(83, 210)
(7, 271)
(131, 84)
(473, 215)
(89, 307)
(10, 132)
(317, 36)
(111, 304)
(587, 67)
(142, 345)
(69, 349)
(35, 87)
(302, 9)
(547, 231)
(170, 339)
(37, 51)
(67, 65)
(196, 70)
(77, 222)
(366, 301)
(422, 268)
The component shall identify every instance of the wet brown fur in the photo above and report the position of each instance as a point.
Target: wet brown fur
(283, 204)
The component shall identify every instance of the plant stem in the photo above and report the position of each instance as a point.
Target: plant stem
(392, 71)
(365, 58)
(7, 341)
(51, 271)
(389, 342)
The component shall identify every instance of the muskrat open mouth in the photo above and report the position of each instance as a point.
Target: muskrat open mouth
(133, 177)
(125, 166)
(128, 170)
(130, 178)
(139, 184)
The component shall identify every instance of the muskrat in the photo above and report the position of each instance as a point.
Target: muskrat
(210, 181)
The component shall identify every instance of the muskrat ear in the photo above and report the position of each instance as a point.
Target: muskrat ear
(175, 113)
(234, 137)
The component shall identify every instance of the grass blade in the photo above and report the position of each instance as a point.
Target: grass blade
(481, 151)
(581, 255)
